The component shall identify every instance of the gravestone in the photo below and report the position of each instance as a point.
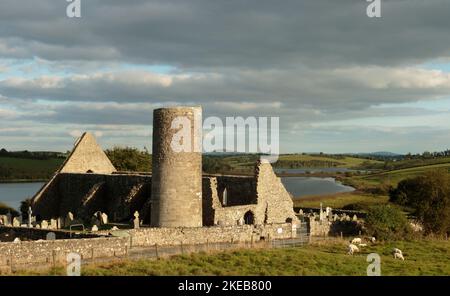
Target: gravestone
(69, 219)
(53, 224)
(50, 236)
(16, 222)
(95, 221)
(104, 218)
(8, 219)
(59, 223)
(241, 221)
(44, 224)
(136, 220)
(115, 228)
(94, 228)
(355, 218)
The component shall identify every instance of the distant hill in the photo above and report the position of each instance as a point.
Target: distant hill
(381, 153)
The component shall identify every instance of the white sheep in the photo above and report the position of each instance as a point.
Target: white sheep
(395, 250)
(352, 249)
(356, 240)
(398, 254)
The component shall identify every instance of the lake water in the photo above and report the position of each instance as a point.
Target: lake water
(314, 170)
(12, 194)
(302, 186)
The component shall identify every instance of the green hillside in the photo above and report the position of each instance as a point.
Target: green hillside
(395, 176)
(13, 168)
(325, 160)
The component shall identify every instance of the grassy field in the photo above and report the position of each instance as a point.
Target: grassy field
(12, 168)
(340, 162)
(424, 257)
(340, 200)
(392, 177)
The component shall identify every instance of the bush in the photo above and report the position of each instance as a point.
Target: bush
(429, 196)
(387, 222)
(130, 159)
(4, 209)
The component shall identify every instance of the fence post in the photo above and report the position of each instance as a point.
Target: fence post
(11, 262)
(54, 259)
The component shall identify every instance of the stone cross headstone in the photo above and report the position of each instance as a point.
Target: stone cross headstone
(44, 224)
(104, 218)
(136, 220)
(30, 211)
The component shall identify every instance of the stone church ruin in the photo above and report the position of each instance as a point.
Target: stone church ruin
(175, 194)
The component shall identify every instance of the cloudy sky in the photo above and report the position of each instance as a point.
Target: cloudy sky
(338, 80)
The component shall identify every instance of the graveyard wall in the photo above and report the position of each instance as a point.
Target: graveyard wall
(8, 233)
(35, 252)
(334, 228)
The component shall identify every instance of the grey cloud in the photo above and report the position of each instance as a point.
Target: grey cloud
(236, 33)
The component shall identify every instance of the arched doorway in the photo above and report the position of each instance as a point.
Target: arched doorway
(249, 218)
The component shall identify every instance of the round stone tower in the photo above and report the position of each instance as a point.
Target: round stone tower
(177, 167)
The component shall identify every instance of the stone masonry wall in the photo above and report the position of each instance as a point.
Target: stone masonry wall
(28, 252)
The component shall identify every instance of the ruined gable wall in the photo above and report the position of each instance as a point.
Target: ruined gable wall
(86, 156)
(273, 196)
